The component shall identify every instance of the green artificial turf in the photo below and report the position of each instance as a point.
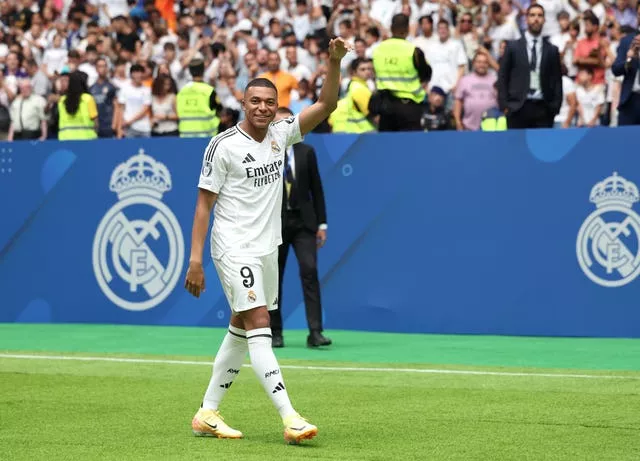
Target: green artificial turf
(53, 409)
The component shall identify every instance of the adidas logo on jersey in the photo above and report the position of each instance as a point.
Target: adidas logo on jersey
(248, 159)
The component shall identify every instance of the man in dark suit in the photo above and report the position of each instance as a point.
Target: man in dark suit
(530, 79)
(626, 64)
(304, 225)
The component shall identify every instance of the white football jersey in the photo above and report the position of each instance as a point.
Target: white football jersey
(247, 176)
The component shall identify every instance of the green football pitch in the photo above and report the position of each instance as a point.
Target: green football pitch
(96, 392)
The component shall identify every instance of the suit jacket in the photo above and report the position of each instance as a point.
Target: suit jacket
(309, 192)
(630, 71)
(514, 76)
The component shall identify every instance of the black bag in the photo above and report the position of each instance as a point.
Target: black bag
(379, 102)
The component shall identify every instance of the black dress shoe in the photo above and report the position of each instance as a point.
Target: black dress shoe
(316, 339)
(277, 341)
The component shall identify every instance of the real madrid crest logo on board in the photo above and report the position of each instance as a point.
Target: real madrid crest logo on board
(138, 248)
(608, 243)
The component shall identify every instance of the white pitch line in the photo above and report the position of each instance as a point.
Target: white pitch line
(321, 368)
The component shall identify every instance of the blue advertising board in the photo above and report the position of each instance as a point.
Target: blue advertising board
(531, 232)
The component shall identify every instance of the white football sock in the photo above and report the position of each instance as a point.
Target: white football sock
(265, 364)
(226, 366)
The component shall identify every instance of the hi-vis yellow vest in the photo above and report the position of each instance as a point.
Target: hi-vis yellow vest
(78, 126)
(196, 118)
(338, 118)
(493, 120)
(395, 71)
(356, 120)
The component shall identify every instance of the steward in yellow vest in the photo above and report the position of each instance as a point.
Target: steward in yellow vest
(358, 97)
(77, 112)
(338, 118)
(401, 71)
(197, 105)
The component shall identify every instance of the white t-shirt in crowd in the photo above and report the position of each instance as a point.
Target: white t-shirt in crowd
(551, 9)
(568, 87)
(134, 99)
(589, 100)
(55, 59)
(423, 42)
(505, 31)
(114, 8)
(90, 70)
(247, 176)
(444, 59)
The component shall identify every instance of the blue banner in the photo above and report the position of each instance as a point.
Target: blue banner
(530, 232)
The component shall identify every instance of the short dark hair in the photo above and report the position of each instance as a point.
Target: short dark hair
(284, 110)
(136, 68)
(426, 17)
(356, 63)
(400, 24)
(261, 83)
(591, 17)
(373, 31)
(196, 67)
(537, 5)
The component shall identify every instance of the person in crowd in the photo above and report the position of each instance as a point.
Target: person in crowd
(475, 95)
(28, 119)
(77, 111)
(164, 118)
(530, 78)
(45, 41)
(401, 76)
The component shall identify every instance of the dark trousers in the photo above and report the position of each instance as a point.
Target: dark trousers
(401, 115)
(629, 113)
(106, 133)
(533, 114)
(26, 134)
(304, 244)
(155, 134)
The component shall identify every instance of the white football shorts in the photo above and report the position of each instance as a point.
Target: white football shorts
(249, 281)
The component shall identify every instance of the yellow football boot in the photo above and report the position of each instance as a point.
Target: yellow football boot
(296, 429)
(209, 423)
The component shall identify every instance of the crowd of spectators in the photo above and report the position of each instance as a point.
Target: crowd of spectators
(136, 53)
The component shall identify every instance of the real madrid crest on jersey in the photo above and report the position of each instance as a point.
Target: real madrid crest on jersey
(138, 249)
(275, 148)
(608, 244)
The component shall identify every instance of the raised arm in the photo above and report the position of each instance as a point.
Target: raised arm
(313, 115)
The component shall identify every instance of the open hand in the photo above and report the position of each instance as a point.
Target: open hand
(321, 237)
(338, 48)
(194, 282)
